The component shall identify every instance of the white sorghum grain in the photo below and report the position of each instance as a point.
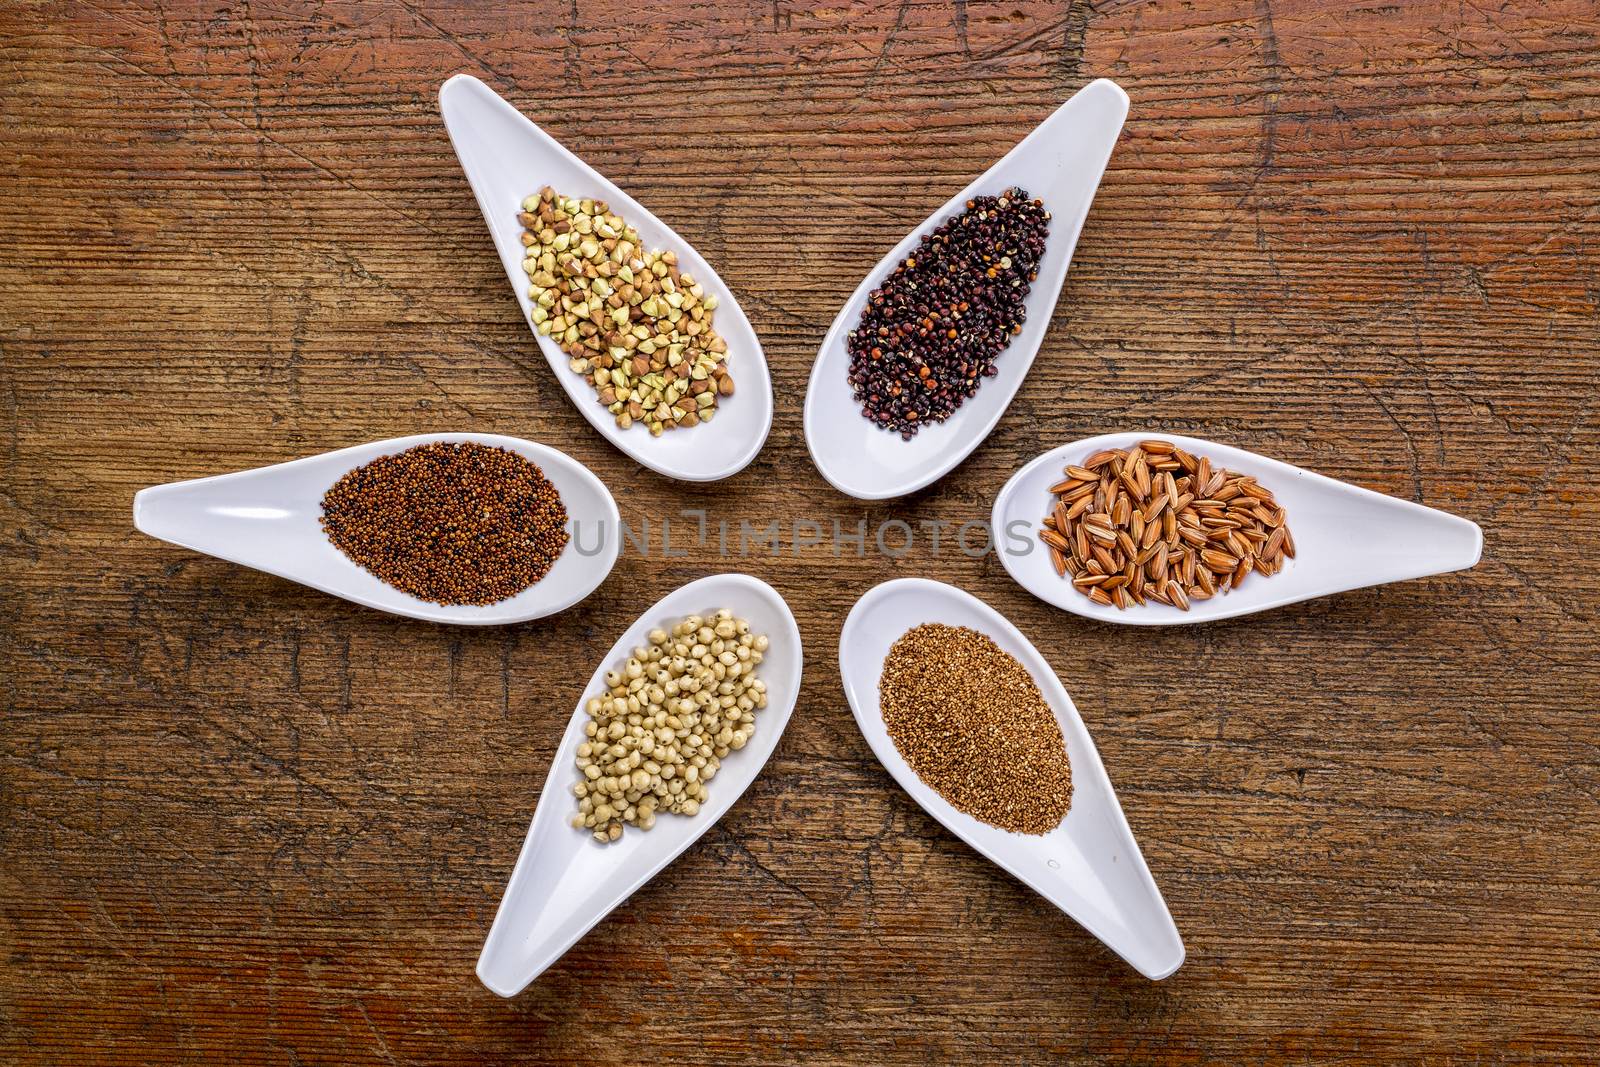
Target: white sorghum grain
(669, 716)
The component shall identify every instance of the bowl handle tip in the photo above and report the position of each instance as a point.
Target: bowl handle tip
(1161, 970)
(457, 84)
(500, 985)
(1106, 85)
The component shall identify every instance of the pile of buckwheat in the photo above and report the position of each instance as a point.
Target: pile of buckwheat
(638, 329)
(669, 717)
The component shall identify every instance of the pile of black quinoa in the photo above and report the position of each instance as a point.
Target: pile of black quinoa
(931, 332)
(451, 523)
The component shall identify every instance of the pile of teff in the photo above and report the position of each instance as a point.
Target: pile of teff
(968, 718)
(931, 332)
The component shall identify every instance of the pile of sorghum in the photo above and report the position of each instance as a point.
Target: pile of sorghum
(639, 330)
(930, 333)
(669, 717)
(969, 720)
(449, 522)
(1154, 522)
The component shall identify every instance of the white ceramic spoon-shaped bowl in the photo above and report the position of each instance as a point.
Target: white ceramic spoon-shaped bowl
(1345, 537)
(269, 519)
(1060, 162)
(1089, 866)
(565, 881)
(506, 159)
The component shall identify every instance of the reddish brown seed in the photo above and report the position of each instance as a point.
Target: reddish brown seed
(1156, 515)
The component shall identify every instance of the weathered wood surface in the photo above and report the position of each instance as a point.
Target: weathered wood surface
(243, 822)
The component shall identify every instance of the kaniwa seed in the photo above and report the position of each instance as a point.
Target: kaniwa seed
(449, 522)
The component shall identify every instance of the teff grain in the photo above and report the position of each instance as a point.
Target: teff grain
(449, 522)
(969, 720)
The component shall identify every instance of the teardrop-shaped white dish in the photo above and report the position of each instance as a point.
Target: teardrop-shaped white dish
(269, 518)
(1089, 866)
(1061, 163)
(1345, 537)
(565, 881)
(507, 158)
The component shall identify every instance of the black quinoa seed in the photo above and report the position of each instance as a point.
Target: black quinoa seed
(931, 332)
(451, 523)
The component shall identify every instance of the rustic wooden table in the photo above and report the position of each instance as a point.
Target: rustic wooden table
(244, 822)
